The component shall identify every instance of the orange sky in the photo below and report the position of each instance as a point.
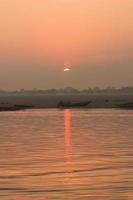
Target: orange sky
(50, 33)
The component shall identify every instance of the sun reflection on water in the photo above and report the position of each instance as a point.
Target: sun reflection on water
(67, 133)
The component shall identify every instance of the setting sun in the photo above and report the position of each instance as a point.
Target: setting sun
(66, 69)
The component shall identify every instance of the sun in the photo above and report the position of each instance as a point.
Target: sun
(66, 69)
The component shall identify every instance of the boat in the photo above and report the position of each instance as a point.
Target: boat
(14, 107)
(126, 105)
(69, 104)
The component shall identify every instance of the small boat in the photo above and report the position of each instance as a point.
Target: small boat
(126, 105)
(14, 107)
(69, 104)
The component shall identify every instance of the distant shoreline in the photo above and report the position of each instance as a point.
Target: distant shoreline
(52, 100)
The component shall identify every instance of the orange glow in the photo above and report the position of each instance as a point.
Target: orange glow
(67, 118)
(67, 132)
(71, 30)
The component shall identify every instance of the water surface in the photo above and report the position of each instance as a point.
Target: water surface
(66, 154)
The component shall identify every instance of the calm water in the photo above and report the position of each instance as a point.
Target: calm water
(66, 154)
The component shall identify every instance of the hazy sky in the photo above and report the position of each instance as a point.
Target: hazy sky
(38, 38)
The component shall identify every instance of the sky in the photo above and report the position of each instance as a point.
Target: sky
(39, 38)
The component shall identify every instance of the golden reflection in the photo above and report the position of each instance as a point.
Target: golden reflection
(67, 121)
(67, 132)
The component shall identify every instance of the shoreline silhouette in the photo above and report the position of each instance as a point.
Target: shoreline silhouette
(51, 100)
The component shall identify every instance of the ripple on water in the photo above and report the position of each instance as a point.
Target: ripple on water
(66, 154)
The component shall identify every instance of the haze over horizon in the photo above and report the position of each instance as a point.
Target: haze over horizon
(38, 39)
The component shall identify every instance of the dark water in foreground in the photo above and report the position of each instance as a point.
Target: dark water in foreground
(66, 154)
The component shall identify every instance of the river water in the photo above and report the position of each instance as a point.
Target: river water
(66, 154)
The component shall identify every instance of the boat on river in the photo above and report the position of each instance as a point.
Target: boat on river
(69, 104)
(14, 107)
(126, 105)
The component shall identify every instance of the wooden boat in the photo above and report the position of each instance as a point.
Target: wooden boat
(69, 104)
(126, 105)
(14, 107)
(11, 108)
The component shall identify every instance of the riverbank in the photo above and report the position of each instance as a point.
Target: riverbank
(51, 101)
